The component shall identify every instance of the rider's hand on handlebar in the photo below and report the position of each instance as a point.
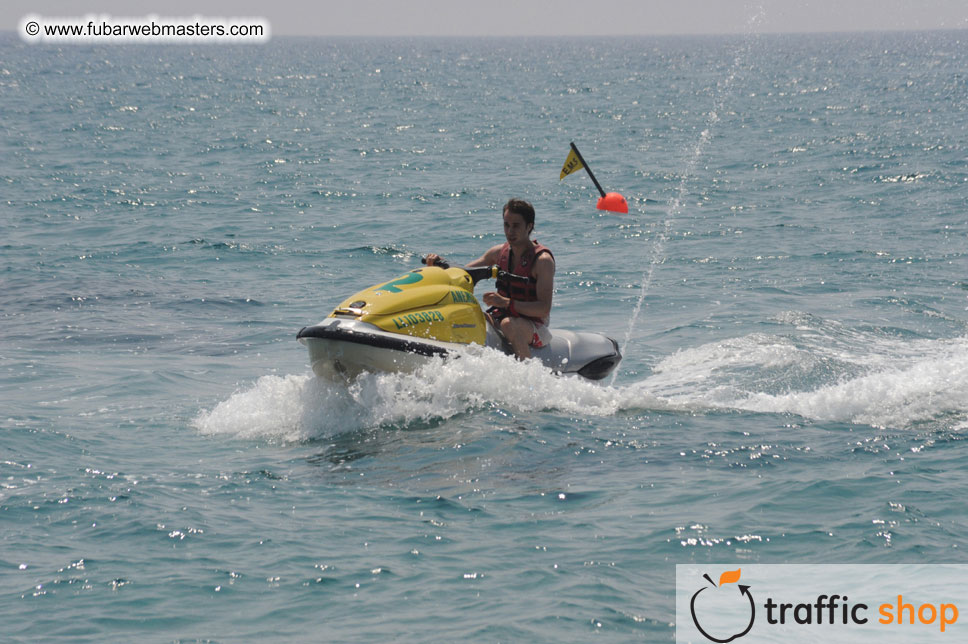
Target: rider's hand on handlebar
(496, 299)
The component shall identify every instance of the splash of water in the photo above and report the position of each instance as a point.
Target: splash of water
(828, 374)
(676, 203)
(825, 375)
(302, 407)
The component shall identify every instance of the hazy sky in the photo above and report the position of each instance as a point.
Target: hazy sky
(531, 17)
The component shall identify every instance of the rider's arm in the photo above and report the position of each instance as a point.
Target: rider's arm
(489, 258)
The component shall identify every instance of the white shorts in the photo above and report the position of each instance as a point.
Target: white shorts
(541, 335)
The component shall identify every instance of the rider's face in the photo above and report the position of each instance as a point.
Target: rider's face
(515, 229)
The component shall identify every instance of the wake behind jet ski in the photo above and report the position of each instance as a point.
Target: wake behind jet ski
(401, 324)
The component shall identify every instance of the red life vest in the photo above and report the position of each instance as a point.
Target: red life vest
(524, 266)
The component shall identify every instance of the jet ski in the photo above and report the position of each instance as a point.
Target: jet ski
(429, 312)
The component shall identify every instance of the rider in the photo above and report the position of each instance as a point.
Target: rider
(522, 309)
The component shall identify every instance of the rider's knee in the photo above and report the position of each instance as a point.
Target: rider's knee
(507, 324)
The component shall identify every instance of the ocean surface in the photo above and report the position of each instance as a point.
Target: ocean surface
(789, 290)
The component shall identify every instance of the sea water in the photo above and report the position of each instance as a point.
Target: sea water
(789, 290)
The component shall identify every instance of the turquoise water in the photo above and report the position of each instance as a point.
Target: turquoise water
(789, 290)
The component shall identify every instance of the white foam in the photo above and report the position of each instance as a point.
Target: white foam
(914, 390)
(302, 407)
(874, 380)
(854, 378)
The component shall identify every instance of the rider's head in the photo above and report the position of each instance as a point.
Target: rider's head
(522, 208)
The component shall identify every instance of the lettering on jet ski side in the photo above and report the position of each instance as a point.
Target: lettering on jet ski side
(413, 319)
(462, 297)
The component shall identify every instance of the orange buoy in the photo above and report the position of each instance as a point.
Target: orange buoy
(613, 202)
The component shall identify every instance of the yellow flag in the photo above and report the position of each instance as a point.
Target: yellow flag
(572, 164)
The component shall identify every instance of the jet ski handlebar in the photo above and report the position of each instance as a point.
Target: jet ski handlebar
(479, 273)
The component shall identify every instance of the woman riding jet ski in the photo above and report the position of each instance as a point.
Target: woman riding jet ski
(433, 312)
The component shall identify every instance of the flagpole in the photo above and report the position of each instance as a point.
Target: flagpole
(587, 169)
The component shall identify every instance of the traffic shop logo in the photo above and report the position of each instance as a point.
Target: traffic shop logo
(709, 603)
